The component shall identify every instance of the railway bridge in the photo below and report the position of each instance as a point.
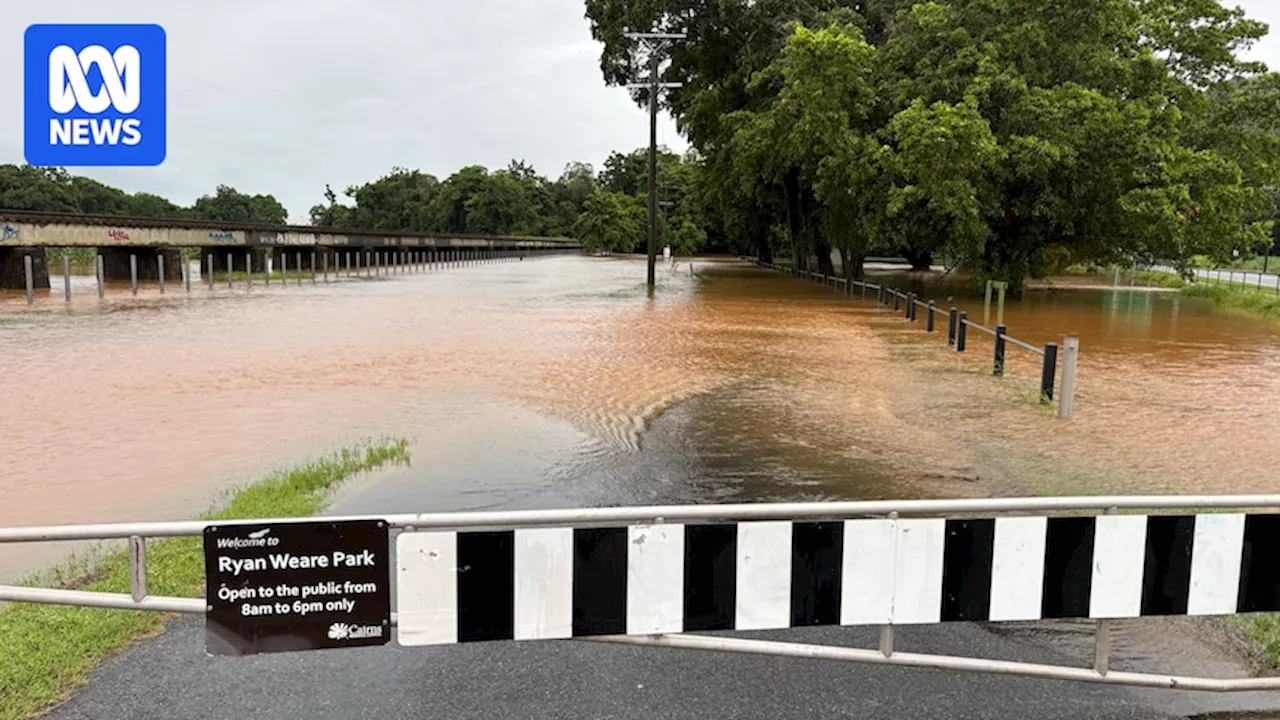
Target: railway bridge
(26, 234)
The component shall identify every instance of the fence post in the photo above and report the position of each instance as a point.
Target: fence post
(138, 568)
(929, 321)
(159, 266)
(864, 289)
(297, 257)
(997, 362)
(325, 261)
(961, 331)
(184, 266)
(66, 275)
(1048, 373)
(248, 269)
(231, 270)
(102, 278)
(951, 326)
(133, 274)
(1070, 353)
(210, 271)
(897, 304)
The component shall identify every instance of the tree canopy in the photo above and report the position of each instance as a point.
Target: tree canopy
(55, 190)
(1009, 135)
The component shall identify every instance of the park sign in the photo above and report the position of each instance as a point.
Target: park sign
(296, 586)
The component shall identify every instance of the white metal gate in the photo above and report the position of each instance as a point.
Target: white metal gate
(690, 568)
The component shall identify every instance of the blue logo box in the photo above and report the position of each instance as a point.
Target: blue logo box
(94, 95)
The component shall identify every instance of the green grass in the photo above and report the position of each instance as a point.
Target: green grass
(1264, 302)
(1155, 278)
(259, 277)
(48, 650)
(1260, 636)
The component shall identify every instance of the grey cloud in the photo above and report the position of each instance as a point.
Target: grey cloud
(282, 97)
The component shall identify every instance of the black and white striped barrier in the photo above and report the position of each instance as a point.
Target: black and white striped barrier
(547, 583)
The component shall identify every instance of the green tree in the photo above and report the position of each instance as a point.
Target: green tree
(230, 205)
(610, 222)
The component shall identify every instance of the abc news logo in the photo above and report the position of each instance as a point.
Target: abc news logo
(69, 88)
(94, 95)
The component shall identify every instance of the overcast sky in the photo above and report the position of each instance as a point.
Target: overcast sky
(282, 96)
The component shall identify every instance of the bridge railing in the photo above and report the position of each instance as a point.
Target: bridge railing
(656, 576)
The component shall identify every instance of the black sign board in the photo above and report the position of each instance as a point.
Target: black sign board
(296, 586)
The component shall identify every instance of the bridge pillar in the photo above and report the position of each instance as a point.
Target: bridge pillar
(115, 262)
(13, 274)
(237, 255)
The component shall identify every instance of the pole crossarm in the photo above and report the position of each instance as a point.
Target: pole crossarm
(655, 36)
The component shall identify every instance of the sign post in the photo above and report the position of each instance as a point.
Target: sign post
(296, 586)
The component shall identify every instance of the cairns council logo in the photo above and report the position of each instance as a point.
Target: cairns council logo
(94, 95)
(343, 631)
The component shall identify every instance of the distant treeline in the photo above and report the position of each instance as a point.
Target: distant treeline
(607, 210)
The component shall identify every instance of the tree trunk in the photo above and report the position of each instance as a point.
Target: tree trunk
(920, 259)
(823, 250)
(763, 250)
(799, 260)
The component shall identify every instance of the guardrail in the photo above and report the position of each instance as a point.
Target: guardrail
(958, 324)
(1242, 278)
(900, 562)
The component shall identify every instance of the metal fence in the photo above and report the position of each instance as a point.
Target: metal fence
(1243, 278)
(958, 325)
(139, 598)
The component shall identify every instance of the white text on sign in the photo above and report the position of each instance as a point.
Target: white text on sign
(289, 561)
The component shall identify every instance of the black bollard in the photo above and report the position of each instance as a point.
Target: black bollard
(961, 331)
(1049, 373)
(951, 326)
(997, 360)
(929, 320)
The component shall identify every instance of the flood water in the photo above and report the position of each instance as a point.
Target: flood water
(558, 381)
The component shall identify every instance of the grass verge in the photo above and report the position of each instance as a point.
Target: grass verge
(48, 650)
(1258, 637)
(1254, 301)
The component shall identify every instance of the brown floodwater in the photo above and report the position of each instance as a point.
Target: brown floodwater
(559, 381)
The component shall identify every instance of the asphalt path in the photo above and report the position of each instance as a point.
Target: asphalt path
(170, 676)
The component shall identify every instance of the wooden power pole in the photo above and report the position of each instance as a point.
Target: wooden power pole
(653, 42)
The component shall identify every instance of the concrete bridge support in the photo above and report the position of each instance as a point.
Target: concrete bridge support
(13, 274)
(237, 256)
(115, 263)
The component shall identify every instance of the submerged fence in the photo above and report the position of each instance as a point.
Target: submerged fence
(958, 325)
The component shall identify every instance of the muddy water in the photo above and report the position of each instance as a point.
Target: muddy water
(560, 382)
(1174, 396)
